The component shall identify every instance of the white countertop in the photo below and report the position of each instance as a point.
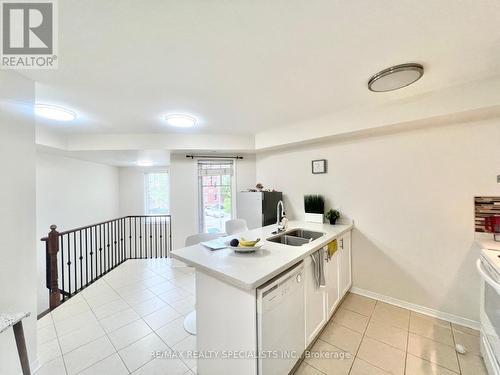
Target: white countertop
(488, 244)
(248, 271)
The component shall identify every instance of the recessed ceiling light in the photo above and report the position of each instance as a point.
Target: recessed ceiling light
(144, 163)
(54, 112)
(396, 77)
(181, 120)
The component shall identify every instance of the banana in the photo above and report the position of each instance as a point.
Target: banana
(247, 243)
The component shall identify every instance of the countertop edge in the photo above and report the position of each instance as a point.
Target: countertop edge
(242, 285)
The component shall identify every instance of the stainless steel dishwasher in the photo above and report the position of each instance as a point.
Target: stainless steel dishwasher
(281, 322)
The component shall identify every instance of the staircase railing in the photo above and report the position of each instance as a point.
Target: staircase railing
(78, 257)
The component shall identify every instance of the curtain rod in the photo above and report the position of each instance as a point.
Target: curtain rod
(214, 157)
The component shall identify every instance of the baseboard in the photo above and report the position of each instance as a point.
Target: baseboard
(418, 308)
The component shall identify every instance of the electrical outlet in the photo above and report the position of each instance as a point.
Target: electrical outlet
(498, 178)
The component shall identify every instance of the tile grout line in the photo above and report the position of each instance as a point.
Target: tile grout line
(117, 351)
(59, 344)
(153, 331)
(105, 335)
(456, 353)
(362, 338)
(161, 339)
(407, 342)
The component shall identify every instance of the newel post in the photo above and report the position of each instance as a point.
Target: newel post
(52, 249)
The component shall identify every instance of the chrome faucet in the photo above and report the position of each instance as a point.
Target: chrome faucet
(278, 215)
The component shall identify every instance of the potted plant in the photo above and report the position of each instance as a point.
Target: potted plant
(314, 207)
(332, 215)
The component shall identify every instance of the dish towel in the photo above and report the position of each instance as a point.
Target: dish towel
(332, 248)
(319, 271)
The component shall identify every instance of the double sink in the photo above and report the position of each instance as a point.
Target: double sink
(296, 237)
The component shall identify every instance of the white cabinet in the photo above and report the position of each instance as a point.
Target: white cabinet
(332, 283)
(344, 253)
(314, 301)
(321, 302)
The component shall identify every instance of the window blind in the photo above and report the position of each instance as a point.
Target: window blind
(215, 167)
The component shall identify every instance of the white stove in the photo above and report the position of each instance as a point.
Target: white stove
(491, 261)
(488, 266)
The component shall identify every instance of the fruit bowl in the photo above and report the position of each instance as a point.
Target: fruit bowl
(245, 249)
(243, 245)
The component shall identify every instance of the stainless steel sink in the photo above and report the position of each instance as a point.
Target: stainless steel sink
(288, 240)
(304, 233)
(296, 237)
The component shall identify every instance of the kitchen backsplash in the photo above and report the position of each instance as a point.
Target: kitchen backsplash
(484, 207)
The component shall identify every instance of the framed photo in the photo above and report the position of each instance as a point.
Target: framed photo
(319, 166)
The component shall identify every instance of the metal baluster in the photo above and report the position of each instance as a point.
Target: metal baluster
(115, 252)
(140, 236)
(91, 255)
(161, 237)
(166, 237)
(150, 237)
(81, 260)
(86, 259)
(106, 253)
(100, 251)
(62, 260)
(169, 235)
(129, 236)
(121, 238)
(75, 264)
(69, 266)
(155, 234)
(124, 242)
(117, 243)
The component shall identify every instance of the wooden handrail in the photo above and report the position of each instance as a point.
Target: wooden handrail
(101, 223)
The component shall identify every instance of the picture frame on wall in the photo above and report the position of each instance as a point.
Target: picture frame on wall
(319, 166)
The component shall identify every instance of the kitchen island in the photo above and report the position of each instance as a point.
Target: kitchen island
(227, 287)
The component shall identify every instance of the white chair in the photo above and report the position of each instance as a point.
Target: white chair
(236, 226)
(190, 319)
(201, 237)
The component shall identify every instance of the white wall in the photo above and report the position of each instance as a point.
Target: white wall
(71, 193)
(411, 197)
(132, 200)
(17, 222)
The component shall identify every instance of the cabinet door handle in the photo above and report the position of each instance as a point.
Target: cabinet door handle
(342, 243)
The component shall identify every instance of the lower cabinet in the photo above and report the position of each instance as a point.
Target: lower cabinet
(314, 302)
(332, 282)
(345, 274)
(321, 302)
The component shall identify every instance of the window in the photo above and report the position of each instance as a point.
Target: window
(156, 193)
(216, 194)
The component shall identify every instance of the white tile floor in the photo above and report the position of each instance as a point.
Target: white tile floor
(384, 339)
(113, 326)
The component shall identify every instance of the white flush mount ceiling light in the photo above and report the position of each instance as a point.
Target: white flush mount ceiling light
(54, 112)
(144, 163)
(181, 120)
(396, 77)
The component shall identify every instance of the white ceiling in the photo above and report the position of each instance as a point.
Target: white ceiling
(246, 66)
